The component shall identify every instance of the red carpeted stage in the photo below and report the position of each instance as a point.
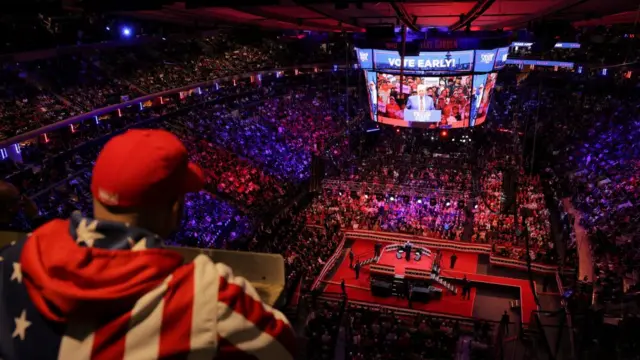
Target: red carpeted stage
(450, 304)
(360, 289)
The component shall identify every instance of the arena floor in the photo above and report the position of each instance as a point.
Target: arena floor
(466, 265)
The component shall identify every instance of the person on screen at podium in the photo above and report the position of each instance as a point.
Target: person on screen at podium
(420, 102)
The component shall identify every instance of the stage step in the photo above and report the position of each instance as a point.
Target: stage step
(368, 261)
(447, 285)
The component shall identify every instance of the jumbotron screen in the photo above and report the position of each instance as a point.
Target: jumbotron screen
(447, 101)
(440, 89)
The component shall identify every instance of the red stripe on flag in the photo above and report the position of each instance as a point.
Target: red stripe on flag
(109, 339)
(175, 334)
(237, 300)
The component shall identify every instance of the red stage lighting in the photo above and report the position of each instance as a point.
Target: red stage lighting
(444, 133)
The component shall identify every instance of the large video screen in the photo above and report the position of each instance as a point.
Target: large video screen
(483, 85)
(424, 101)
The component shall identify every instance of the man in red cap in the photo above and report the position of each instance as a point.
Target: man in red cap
(104, 288)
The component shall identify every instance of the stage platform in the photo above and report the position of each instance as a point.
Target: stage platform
(449, 304)
(360, 290)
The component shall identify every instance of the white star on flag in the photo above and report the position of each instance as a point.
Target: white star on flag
(140, 245)
(86, 232)
(17, 273)
(21, 325)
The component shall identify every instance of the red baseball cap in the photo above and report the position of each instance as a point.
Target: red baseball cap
(144, 167)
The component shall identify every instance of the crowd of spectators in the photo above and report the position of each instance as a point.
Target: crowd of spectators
(42, 92)
(381, 334)
(407, 185)
(442, 219)
(582, 145)
(596, 164)
(56, 172)
(494, 222)
(24, 107)
(591, 46)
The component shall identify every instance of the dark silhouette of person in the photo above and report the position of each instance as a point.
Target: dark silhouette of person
(357, 269)
(464, 286)
(377, 249)
(407, 251)
(504, 322)
(351, 256)
(343, 287)
(454, 258)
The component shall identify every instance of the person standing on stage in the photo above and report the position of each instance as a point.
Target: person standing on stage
(357, 269)
(466, 288)
(407, 250)
(454, 258)
(351, 255)
(343, 287)
(377, 249)
(504, 322)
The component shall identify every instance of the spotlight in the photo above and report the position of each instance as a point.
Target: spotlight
(444, 133)
(419, 201)
(108, 28)
(391, 198)
(447, 203)
(126, 31)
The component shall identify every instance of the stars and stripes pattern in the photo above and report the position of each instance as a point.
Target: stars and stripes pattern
(200, 311)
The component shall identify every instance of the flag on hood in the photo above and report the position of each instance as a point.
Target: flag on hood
(88, 289)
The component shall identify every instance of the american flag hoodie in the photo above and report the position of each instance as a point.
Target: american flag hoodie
(84, 289)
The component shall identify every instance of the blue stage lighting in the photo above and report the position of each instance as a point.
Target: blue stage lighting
(126, 31)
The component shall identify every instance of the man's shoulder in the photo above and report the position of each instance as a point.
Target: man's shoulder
(52, 226)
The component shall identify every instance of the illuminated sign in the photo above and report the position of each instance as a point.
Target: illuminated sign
(433, 44)
(540, 63)
(567, 45)
(559, 45)
(484, 60)
(365, 58)
(427, 61)
(501, 58)
(422, 116)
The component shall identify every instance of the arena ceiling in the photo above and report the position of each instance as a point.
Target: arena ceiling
(356, 15)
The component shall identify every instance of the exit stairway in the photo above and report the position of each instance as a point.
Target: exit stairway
(447, 285)
(368, 261)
